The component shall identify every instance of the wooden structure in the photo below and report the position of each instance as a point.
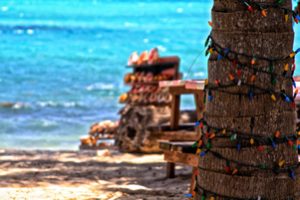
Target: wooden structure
(176, 150)
(144, 82)
(146, 105)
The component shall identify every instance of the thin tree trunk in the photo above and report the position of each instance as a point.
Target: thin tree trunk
(249, 32)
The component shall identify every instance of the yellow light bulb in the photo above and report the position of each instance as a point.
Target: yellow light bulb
(286, 17)
(224, 131)
(273, 97)
(281, 163)
(206, 82)
(286, 67)
(292, 55)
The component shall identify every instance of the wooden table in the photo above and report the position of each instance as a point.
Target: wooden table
(176, 152)
(178, 88)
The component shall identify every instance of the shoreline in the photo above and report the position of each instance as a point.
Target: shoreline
(104, 175)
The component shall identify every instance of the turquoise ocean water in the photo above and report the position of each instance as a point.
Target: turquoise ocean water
(63, 61)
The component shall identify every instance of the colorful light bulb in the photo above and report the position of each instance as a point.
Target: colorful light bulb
(273, 97)
(277, 134)
(233, 137)
(281, 163)
(212, 135)
(261, 148)
(286, 17)
(250, 8)
(292, 174)
(292, 55)
(235, 171)
(231, 77)
(238, 146)
(227, 169)
(224, 131)
(202, 154)
(253, 61)
(252, 78)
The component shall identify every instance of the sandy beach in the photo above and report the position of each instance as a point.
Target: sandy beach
(103, 175)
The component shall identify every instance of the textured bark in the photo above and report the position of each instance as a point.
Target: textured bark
(249, 33)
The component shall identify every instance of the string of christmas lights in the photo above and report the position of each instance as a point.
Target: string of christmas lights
(254, 139)
(206, 194)
(232, 56)
(210, 132)
(252, 91)
(278, 167)
(262, 7)
(252, 57)
(236, 78)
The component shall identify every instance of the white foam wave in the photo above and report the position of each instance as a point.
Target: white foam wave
(18, 106)
(19, 31)
(146, 40)
(179, 10)
(30, 31)
(48, 123)
(199, 74)
(99, 86)
(4, 8)
(70, 104)
(130, 24)
(162, 48)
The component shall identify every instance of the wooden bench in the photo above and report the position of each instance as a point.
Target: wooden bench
(183, 132)
(180, 152)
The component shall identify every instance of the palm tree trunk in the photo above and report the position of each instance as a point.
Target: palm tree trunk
(250, 33)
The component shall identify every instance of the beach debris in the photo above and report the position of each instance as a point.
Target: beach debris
(133, 59)
(100, 136)
(123, 98)
(153, 56)
(144, 58)
(104, 153)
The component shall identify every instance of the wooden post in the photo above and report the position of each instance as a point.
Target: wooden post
(170, 170)
(175, 111)
(193, 181)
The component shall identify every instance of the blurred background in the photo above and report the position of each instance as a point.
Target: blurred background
(63, 61)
